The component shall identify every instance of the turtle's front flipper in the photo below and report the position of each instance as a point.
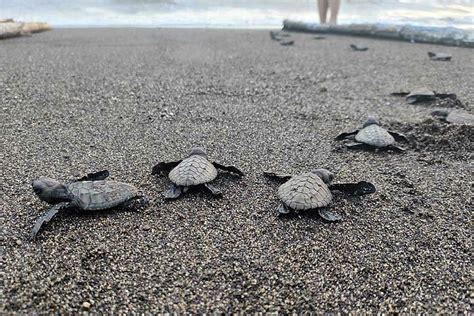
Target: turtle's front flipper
(277, 176)
(173, 192)
(283, 209)
(398, 136)
(328, 215)
(228, 168)
(359, 188)
(164, 166)
(46, 218)
(215, 191)
(95, 176)
(345, 135)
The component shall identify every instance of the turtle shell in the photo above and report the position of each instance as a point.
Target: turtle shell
(460, 117)
(193, 170)
(98, 195)
(304, 192)
(374, 135)
(420, 95)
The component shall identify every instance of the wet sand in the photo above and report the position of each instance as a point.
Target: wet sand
(81, 100)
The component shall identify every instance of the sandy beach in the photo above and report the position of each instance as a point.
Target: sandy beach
(80, 100)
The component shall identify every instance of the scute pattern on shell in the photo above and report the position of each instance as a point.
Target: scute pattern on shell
(304, 192)
(98, 195)
(193, 170)
(375, 135)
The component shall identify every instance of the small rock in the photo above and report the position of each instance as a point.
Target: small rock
(146, 227)
(86, 305)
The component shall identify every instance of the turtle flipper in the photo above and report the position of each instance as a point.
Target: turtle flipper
(345, 135)
(277, 176)
(164, 166)
(396, 148)
(359, 188)
(215, 191)
(398, 136)
(283, 209)
(328, 215)
(228, 168)
(95, 176)
(173, 192)
(359, 146)
(46, 218)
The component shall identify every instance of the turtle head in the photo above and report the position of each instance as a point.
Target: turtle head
(371, 119)
(50, 190)
(324, 174)
(441, 113)
(198, 151)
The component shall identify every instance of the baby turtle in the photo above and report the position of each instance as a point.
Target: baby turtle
(312, 190)
(424, 95)
(89, 193)
(373, 136)
(420, 95)
(458, 117)
(359, 48)
(439, 56)
(195, 170)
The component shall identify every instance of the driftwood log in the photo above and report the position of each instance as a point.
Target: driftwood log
(10, 28)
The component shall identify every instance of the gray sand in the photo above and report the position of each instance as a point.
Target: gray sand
(75, 101)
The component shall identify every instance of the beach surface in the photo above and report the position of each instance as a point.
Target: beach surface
(81, 100)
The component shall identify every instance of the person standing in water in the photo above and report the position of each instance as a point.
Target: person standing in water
(324, 6)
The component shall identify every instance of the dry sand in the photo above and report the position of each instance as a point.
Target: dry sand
(81, 100)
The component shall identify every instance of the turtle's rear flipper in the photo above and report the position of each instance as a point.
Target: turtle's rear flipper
(345, 135)
(164, 166)
(215, 191)
(328, 215)
(359, 188)
(46, 218)
(228, 168)
(173, 192)
(96, 176)
(398, 136)
(283, 210)
(277, 176)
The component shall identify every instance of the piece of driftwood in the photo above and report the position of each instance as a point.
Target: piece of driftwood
(10, 28)
(422, 34)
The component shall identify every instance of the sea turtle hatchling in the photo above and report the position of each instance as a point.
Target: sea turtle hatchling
(373, 136)
(194, 170)
(457, 117)
(89, 193)
(358, 48)
(440, 56)
(312, 190)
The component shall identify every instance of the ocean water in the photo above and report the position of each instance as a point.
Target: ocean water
(234, 14)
